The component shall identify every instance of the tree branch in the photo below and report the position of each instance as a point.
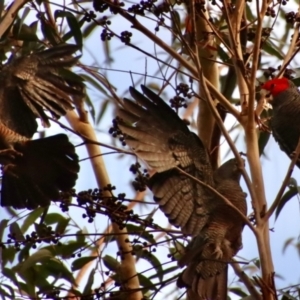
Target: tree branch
(10, 15)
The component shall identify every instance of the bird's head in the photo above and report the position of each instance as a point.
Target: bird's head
(281, 91)
(276, 86)
(229, 170)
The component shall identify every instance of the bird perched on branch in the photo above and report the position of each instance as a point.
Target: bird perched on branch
(34, 171)
(180, 186)
(285, 101)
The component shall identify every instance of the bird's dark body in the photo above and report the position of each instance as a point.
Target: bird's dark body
(34, 171)
(159, 137)
(285, 122)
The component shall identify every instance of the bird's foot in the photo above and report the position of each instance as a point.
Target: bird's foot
(9, 169)
(218, 253)
(8, 156)
(261, 125)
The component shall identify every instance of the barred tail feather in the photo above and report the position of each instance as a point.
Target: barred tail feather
(46, 167)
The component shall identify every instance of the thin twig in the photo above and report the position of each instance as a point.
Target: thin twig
(284, 183)
(244, 218)
(291, 52)
(246, 280)
(229, 140)
(138, 26)
(90, 141)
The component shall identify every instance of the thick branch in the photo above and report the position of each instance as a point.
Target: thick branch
(10, 15)
(127, 268)
(246, 280)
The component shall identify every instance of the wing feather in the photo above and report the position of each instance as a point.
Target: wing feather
(159, 137)
(34, 83)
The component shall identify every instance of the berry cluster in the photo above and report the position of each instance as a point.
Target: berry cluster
(283, 2)
(271, 72)
(126, 36)
(102, 5)
(200, 5)
(115, 131)
(96, 201)
(89, 16)
(43, 234)
(292, 17)
(106, 35)
(271, 12)
(179, 101)
(104, 21)
(142, 178)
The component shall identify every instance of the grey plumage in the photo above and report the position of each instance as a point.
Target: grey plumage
(159, 137)
(33, 83)
(34, 171)
(286, 114)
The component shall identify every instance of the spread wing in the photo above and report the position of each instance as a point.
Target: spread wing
(159, 137)
(31, 84)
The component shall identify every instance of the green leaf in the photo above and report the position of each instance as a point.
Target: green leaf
(296, 81)
(41, 229)
(53, 218)
(71, 77)
(111, 263)
(238, 292)
(73, 24)
(94, 83)
(24, 253)
(272, 49)
(31, 218)
(10, 274)
(249, 13)
(67, 250)
(62, 225)
(263, 141)
(287, 243)
(15, 230)
(165, 271)
(287, 296)
(140, 232)
(8, 255)
(48, 31)
(102, 110)
(285, 198)
(28, 289)
(42, 255)
(4, 293)
(3, 226)
(178, 250)
(80, 262)
(153, 260)
(175, 23)
(56, 267)
(90, 104)
(146, 283)
(69, 34)
(80, 237)
(88, 287)
(89, 28)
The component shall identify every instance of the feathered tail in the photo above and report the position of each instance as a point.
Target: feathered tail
(46, 166)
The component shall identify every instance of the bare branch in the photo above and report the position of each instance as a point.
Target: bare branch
(10, 15)
(284, 183)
